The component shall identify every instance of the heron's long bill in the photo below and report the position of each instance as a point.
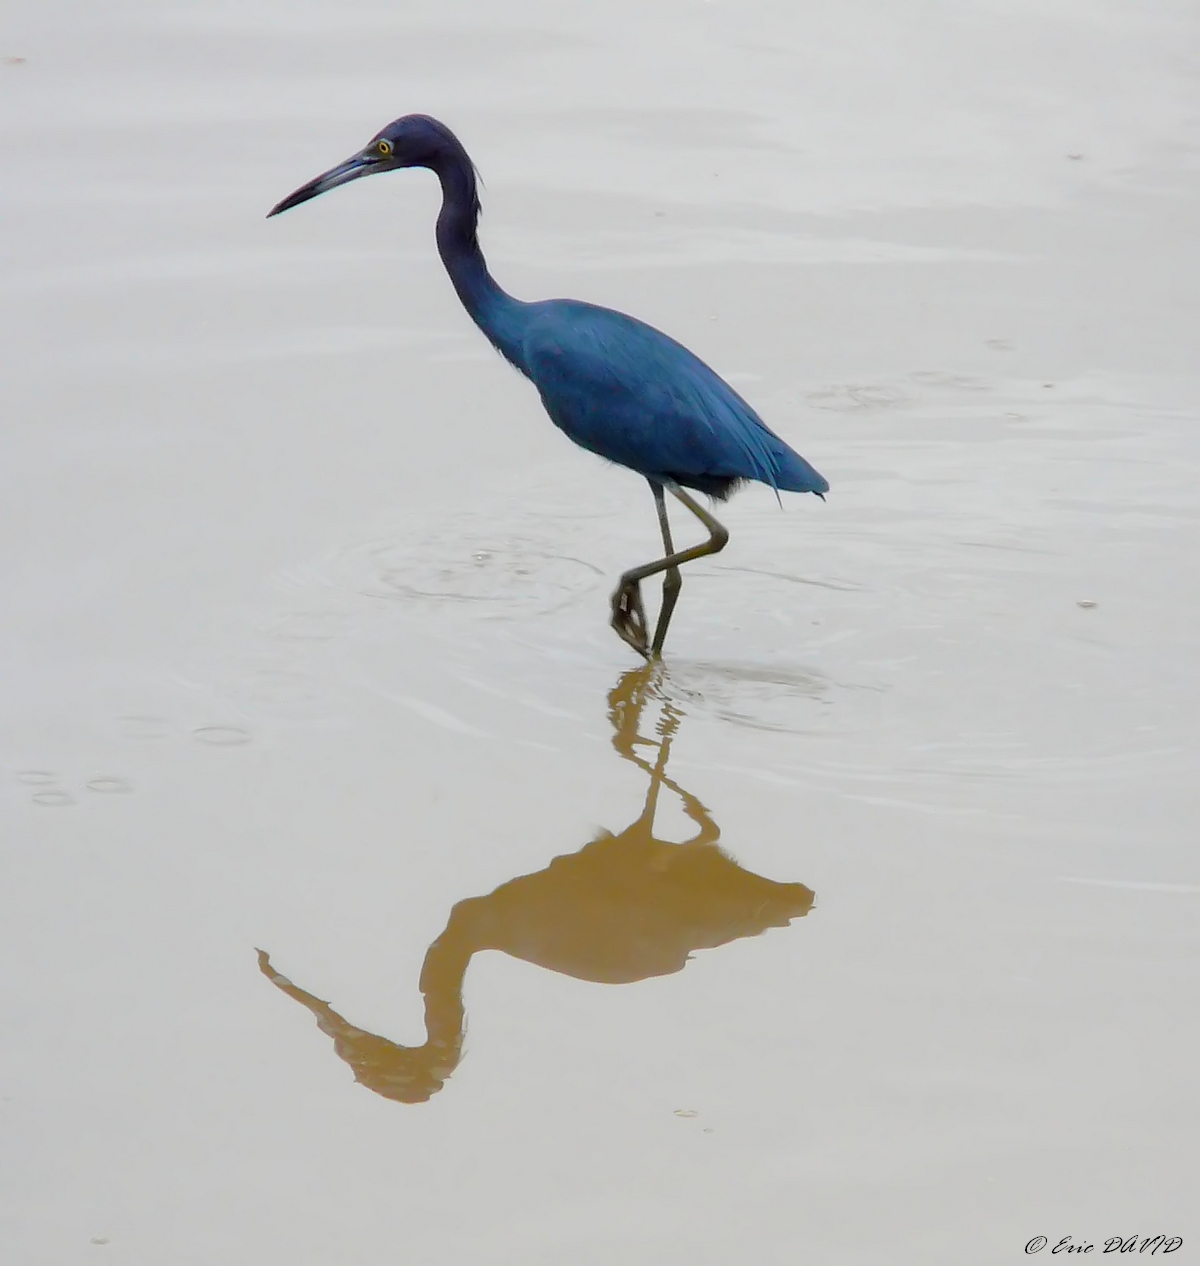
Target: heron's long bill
(343, 173)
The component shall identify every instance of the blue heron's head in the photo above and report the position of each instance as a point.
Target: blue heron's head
(416, 140)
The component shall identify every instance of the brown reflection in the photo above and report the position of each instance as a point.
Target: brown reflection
(623, 908)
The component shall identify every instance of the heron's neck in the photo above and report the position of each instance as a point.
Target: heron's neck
(497, 313)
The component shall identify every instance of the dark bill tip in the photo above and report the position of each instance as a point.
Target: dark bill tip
(340, 175)
(302, 194)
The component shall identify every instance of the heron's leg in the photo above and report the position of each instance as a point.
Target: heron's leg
(672, 581)
(629, 618)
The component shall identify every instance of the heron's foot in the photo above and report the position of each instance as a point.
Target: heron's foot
(629, 617)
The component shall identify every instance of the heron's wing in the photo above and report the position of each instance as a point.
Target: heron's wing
(626, 391)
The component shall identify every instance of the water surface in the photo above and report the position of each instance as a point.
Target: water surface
(865, 929)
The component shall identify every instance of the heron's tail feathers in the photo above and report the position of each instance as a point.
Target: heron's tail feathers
(794, 474)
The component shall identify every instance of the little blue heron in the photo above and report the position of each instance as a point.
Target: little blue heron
(613, 384)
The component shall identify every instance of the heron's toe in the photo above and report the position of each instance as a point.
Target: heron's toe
(629, 618)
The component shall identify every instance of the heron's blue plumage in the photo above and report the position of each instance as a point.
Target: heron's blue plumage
(624, 390)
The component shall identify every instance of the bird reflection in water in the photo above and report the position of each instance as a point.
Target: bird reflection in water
(623, 908)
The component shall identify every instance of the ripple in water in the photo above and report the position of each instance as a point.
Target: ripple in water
(110, 786)
(53, 799)
(222, 735)
(847, 397)
(143, 728)
(511, 577)
(760, 697)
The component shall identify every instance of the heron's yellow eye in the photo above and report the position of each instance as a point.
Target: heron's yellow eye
(384, 147)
